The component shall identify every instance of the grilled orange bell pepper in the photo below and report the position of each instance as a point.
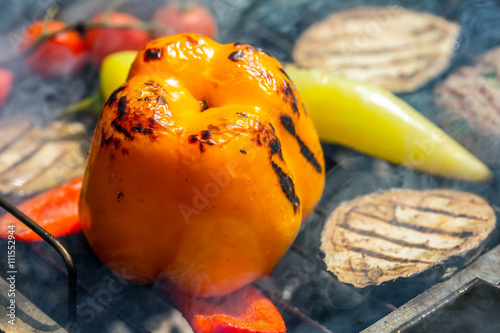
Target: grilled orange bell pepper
(202, 167)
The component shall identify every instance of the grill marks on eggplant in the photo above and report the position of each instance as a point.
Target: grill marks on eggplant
(395, 48)
(41, 157)
(469, 105)
(399, 233)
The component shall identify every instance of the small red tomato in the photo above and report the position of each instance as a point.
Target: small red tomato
(104, 41)
(63, 54)
(195, 19)
(6, 78)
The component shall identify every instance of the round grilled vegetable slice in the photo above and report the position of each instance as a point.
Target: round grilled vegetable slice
(399, 233)
(392, 47)
(469, 102)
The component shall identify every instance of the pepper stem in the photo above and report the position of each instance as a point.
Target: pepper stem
(49, 16)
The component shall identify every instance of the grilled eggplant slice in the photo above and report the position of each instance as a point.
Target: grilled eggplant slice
(399, 233)
(39, 158)
(469, 102)
(392, 47)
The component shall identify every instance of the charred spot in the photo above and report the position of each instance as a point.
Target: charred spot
(122, 107)
(264, 51)
(125, 151)
(119, 196)
(287, 123)
(161, 100)
(274, 143)
(191, 40)
(275, 146)
(141, 129)
(148, 83)
(258, 139)
(308, 154)
(213, 128)
(282, 70)
(110, 142)
(152, 54)
(204, 138)
(242, 114)
(120, 129)
(205, 135)
(112, 98)
(243, 151)
(193, 138)
(289, 96)
(236, 55)
(287, 89)
(287, 186)
(204, 105)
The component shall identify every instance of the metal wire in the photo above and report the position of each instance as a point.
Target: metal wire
(68, 260)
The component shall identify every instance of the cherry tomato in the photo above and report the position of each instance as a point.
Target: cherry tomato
(63, 54)
(6, 79)
(104, 41)
(196, 19)
(55, 210)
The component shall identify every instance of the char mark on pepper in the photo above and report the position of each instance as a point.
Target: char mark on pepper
(161, 100)
(274, 143)
(111, 141)
(122, 107)
(261, 50)
(236, 55)
(287, 186)
(204, 106)
(114, 95)
(289, 96)
(282, 70)
(203, 138)
(152, 54)
(205, 135)
(141, 129)
(120, 129)
(287, 123)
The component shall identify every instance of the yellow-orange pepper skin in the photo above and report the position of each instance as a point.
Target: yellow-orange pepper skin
(202, 167)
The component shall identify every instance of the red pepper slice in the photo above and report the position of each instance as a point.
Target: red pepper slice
(246, 310)
(55, 210)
